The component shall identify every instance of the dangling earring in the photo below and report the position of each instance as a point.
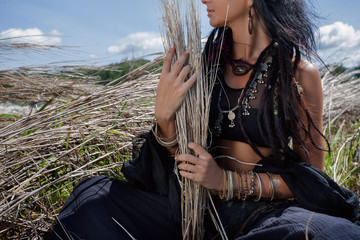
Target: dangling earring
(250, 22)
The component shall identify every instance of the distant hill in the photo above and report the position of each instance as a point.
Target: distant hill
(114, 71)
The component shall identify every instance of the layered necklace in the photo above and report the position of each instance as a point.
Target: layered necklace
(249, 93)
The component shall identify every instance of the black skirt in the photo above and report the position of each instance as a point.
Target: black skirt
(107, 208)
(148, 205)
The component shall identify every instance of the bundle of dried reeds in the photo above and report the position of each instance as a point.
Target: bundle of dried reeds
(192, 116)
(183, 31)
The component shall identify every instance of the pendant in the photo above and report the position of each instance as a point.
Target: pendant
(231, 117)
(240, 70)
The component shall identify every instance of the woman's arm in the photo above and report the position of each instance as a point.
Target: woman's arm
(309, 81)
(203, 169)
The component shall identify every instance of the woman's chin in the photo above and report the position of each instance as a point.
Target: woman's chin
(216, 24)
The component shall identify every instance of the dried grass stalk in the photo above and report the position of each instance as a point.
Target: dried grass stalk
(192, 117)
(341, 95)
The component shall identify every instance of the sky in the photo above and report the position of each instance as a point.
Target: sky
(89, 32)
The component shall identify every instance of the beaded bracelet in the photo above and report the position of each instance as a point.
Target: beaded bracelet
(246, 188)
(252, 183)
(240, 187)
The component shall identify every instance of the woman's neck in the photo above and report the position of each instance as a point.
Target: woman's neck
(246, 46)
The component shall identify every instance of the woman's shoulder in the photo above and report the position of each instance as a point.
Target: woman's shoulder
(307, 73)
(308, 77)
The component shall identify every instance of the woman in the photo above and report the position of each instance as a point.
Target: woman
(265, 94)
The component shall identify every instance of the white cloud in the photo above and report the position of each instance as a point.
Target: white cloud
(138, 44)
(93, 56)
(30, 36)
(339, 36)
(340, 43)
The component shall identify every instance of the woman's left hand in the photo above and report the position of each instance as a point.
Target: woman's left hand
(202, 169)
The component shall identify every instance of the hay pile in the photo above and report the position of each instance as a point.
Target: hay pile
(44, 155)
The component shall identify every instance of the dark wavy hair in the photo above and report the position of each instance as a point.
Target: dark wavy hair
(288, 22)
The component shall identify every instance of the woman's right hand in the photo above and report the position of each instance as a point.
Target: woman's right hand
(172, 86)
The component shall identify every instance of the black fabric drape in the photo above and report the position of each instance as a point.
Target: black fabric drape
(153, 170)
(316, 191)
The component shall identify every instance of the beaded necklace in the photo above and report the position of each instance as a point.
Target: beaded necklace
(261, 73)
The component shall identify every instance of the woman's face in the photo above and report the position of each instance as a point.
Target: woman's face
(218, 11)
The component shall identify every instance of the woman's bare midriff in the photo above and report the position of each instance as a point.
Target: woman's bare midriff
(240, 151)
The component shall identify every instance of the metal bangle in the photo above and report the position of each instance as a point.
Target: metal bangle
(260, 188)
(271, 182)
(231, 186)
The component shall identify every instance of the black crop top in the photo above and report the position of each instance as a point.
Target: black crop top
(226, 108)
(227, 98)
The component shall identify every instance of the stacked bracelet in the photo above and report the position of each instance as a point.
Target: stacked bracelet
(227, 192)
(246, 186)
(163, 141)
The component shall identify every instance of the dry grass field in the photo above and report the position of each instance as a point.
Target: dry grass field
(80, 129)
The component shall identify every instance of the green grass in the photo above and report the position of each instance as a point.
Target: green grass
(9, 115)
(342, 164)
